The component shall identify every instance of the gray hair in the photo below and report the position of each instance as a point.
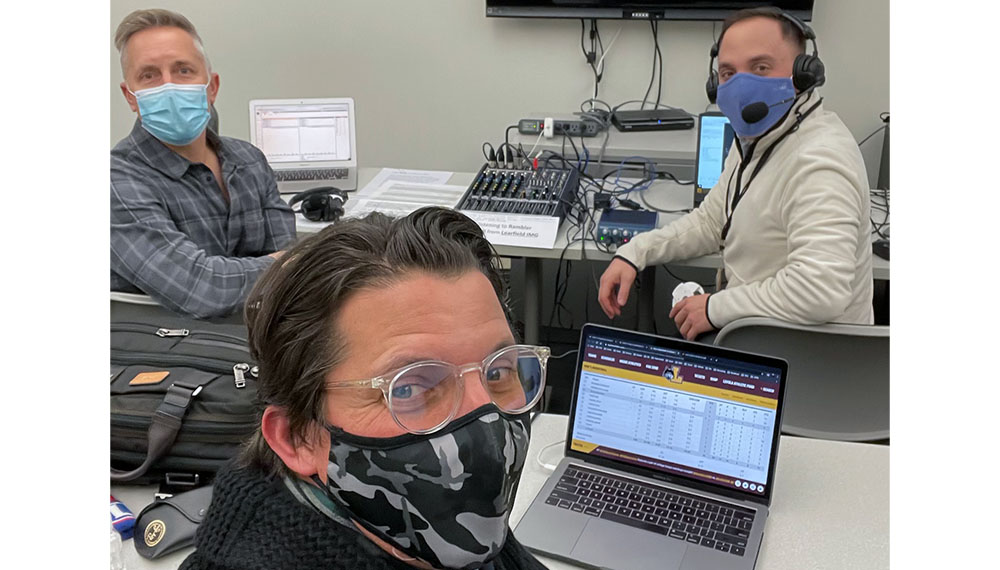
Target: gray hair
(293, 309)
(140, 20)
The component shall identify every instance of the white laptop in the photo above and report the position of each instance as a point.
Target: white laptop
(309, 143)
(670, 457)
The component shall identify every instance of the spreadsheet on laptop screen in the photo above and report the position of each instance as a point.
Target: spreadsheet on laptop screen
(703, 417)
(303, 132)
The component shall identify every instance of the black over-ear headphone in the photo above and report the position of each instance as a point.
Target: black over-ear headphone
(323, 204)
(808, 71)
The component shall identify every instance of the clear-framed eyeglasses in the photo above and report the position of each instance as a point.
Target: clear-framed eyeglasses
(424, 396)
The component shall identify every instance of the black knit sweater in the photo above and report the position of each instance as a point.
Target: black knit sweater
(254, 522)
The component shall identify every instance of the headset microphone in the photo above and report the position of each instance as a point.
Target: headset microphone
(756, 111)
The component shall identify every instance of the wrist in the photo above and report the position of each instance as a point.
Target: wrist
(630, 264)
(708, 316)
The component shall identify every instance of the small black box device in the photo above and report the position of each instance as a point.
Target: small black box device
(620, 226)
(652, 120)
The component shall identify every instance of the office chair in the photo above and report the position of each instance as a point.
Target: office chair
(838, 375)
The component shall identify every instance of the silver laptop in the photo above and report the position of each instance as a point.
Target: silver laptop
(670, 457)
(309, 143)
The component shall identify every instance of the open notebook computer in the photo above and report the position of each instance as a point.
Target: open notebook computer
(308, 142)
(715, 138)
(670, 456)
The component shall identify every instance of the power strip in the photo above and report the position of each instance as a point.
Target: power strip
(560, 127)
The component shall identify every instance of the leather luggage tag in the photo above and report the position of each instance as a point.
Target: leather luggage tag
(149, 378)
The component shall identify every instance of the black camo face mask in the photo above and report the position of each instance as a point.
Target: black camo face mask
(443, 497)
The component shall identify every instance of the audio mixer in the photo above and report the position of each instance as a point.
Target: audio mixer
(542, 191)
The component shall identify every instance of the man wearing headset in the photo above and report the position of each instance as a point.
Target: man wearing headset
(195, 217)
(790, 213)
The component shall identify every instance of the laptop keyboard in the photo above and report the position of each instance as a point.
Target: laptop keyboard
(664, 511)
(312, 174)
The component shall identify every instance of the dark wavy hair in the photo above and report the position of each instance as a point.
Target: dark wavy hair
(292, 311)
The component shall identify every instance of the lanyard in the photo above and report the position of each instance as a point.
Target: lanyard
(742, 190)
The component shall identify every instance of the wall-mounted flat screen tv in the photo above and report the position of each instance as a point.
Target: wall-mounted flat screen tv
(637, 9)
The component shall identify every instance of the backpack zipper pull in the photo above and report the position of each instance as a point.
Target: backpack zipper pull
(172, 332)
(239, 371)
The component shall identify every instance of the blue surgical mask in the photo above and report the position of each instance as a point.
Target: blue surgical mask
(175, 114)
(743, 89)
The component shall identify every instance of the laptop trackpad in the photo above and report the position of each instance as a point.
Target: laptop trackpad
(612, 545)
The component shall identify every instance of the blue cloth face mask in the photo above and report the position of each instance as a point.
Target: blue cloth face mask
(743, 89)
(175, 114)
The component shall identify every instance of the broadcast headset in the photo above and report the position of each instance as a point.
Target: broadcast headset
(808, 71)
(323, 204)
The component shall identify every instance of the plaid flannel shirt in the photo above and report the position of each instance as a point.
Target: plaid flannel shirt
(173, 235)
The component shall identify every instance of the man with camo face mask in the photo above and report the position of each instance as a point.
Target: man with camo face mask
(444, 498)
(396, 423)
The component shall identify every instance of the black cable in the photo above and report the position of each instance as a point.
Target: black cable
(486, 156)
(659, 55)
(506, 134)
(593, 100)
(874, 199)
(573, 144)
(877, 131)
(593, 57)
(620, 105)
(652, 74)
(556, 305)
(655, 209)
(503, 151)
(669, 175)
(877, 228)
(597, 33)
(581, 220)
(598, 73)
(715, 42)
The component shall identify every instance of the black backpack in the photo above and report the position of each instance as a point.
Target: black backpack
(183, 400)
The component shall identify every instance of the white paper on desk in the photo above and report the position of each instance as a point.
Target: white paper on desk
(308, 226)
(397, 198)
(387, 175)
(517, 230)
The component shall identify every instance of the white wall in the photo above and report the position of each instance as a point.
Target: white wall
(433, 79)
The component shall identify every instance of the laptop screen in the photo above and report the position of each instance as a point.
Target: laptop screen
(715, 137)
(301, 131)
(696, 412)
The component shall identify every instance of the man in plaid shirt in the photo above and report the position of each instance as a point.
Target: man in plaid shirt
(195, 218)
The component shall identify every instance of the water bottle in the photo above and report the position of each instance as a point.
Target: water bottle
(117, 560)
